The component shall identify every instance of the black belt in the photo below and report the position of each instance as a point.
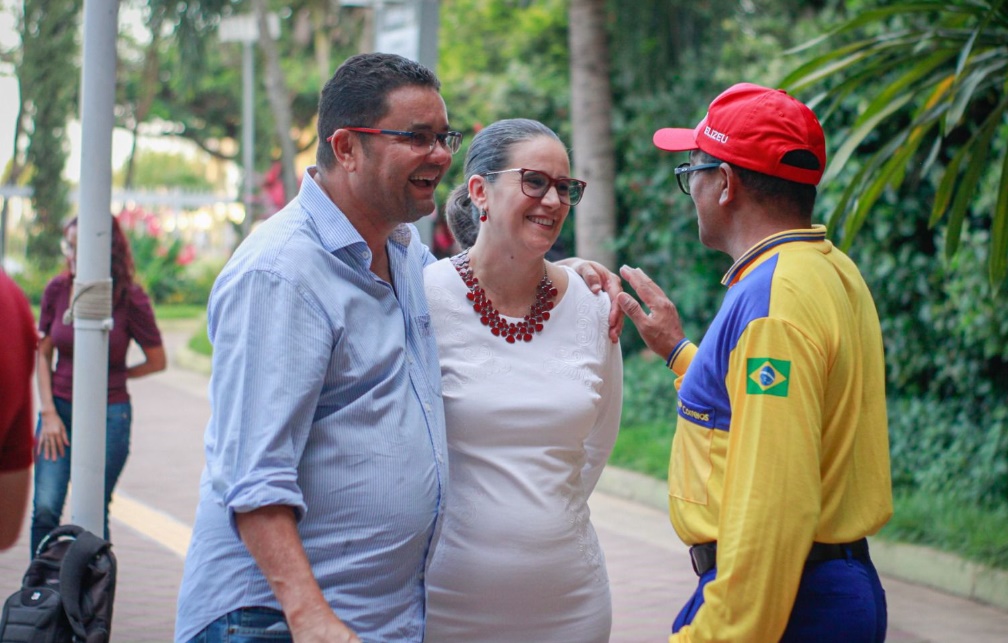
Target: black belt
(704, 555)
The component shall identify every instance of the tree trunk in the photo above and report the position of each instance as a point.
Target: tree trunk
(148, 88)
(591, 114)
(131, 159)
(323, 47)
(279, 100)
(49, 80)
(11, 177)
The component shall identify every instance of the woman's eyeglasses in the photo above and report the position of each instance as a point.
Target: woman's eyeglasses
(68, 249)
(536, 184)
(420, 141)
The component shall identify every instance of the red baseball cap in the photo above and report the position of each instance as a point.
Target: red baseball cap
(759, 129)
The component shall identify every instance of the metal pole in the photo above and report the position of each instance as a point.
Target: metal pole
(92, 285)
(248, 129)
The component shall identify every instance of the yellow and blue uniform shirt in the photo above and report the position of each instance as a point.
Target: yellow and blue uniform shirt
(782, 436)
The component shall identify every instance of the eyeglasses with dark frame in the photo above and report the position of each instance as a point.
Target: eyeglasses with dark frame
(536, 184)
(68, 249)
(419, 141)
(682, 173)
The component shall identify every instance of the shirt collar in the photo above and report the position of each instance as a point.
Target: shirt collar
(335, 230)
(815, 233)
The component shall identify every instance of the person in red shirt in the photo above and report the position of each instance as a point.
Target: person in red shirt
(17, 327)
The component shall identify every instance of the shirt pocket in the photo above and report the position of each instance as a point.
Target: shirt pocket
(690, 466)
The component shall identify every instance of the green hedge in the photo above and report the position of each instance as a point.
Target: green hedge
(948, 473)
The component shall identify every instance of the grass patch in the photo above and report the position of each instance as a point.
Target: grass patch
(976, 533)
(179, 311)
(972, 532)
(199, 343)
(163, 312)
(644, 448)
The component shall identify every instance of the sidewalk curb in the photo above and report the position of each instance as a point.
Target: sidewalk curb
(912, 563)
(189, 359)
(184, 356)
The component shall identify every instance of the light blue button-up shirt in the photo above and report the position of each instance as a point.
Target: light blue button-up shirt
(326, 397)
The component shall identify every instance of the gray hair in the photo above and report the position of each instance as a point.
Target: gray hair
(490, 151)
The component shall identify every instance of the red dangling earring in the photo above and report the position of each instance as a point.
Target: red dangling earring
(483, 214)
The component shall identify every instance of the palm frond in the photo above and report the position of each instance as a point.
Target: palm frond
(925, 73)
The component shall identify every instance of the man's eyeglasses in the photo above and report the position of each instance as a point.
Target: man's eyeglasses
(419, 141)
(536, 184)
(682, 173)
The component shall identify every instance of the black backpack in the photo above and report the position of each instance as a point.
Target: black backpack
(67, 593)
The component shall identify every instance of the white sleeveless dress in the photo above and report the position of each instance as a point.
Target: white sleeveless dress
(530, 426)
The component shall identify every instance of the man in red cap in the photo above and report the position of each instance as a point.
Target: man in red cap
(780, 461)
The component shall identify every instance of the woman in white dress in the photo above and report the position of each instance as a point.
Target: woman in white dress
(532, 392)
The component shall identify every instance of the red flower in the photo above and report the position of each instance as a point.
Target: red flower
(186, 255)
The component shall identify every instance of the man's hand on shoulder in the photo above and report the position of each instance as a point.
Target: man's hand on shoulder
(598, 278)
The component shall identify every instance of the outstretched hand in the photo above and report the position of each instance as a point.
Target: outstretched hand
(661, 328)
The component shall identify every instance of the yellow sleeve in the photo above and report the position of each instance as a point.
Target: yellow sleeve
(771, 501)
(681, 357)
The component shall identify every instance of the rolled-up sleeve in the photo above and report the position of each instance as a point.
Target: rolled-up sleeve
(267, 376)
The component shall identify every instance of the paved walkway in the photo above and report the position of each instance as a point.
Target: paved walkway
(648, 567)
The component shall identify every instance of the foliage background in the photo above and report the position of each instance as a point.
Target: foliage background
(946, 336)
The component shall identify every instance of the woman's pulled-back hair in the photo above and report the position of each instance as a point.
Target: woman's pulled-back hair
(490, 151)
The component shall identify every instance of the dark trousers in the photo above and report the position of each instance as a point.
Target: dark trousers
(838, 601)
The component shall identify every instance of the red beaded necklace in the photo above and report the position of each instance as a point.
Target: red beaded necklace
(523, 330)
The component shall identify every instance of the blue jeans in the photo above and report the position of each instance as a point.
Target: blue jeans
(838, 601)
(246, 625)
(52, 477)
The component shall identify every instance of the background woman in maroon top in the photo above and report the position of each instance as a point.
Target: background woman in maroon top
(133, 320)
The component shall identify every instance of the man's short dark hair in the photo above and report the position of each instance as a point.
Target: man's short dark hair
(799, 196)
(356, 94)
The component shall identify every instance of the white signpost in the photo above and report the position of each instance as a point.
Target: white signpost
(408, 28)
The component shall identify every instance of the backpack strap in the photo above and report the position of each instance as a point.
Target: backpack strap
(54, 536)
(75, 563)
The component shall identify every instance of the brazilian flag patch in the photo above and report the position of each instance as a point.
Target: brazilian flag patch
(767, 376)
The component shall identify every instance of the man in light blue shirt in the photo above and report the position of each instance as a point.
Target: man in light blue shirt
(325, 450)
